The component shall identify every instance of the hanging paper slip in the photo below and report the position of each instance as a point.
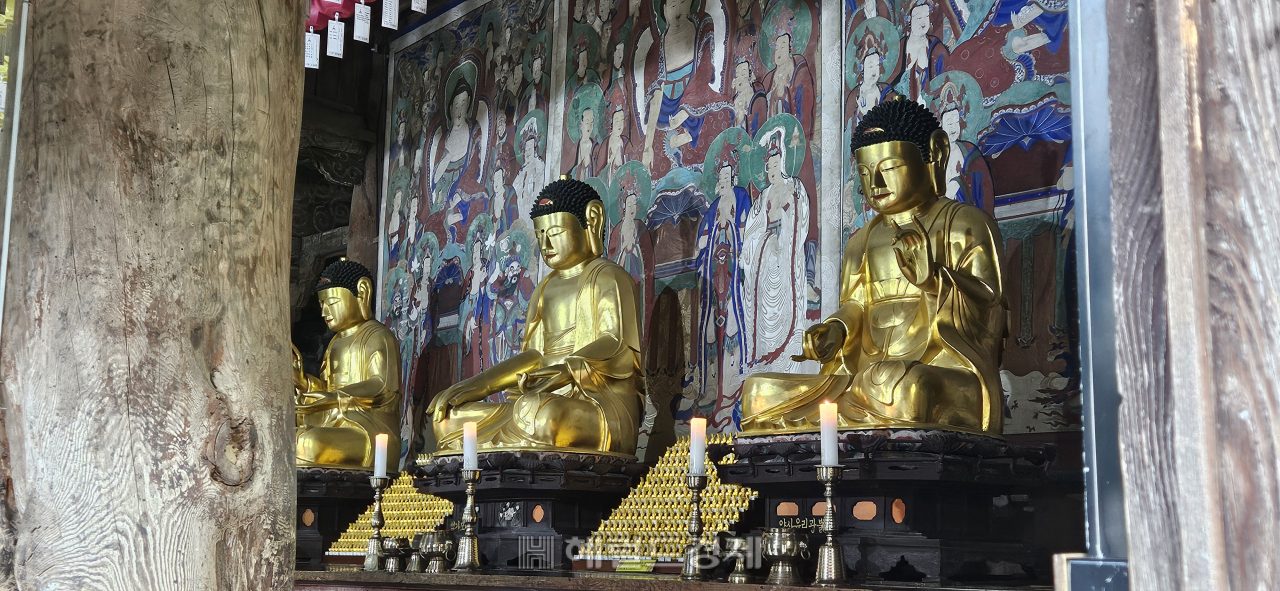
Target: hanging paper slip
(337, 34)
(361, 32)
(313, 51)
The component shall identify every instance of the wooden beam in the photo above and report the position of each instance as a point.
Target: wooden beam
(145, 353)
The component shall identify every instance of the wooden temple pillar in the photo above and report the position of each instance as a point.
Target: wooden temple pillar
(1196, 227)
(145, 347)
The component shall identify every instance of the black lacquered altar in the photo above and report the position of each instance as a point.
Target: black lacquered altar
(912, 505)
(533, 504)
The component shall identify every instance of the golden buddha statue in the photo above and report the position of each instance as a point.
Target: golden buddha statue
(577, 385)
(917, 340)
(357, 395)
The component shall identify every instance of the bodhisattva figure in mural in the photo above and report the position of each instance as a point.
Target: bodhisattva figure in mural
(775, 296)
(357, 394)
(577, 384)
(530, 175)
(673, 104)
(918, 336)
(451, 150)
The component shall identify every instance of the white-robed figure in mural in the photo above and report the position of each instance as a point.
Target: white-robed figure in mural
(773, 259)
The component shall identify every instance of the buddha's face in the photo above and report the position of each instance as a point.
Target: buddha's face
(502, 124)
(674, 9)
(459, 106)
(724, 180)
(562, 239)
(951, 124)
(619, 118)
(773, 169)
(587, 125)
(919, 20)
(783, 47)
(499, 182)
(619, 53)
(340, 308)
(871, 69)
(894, 176)
(630, 206)
(530, 149)
(742, 76)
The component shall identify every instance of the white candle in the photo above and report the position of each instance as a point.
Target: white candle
(830, 454)
(697, 446)
(469, 459)
(380, 456)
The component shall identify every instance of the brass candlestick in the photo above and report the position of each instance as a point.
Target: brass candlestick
(468, 544)
(373, 553)
(692, 553)
(830, 556)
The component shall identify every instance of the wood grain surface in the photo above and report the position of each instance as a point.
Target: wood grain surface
(1140, 297)
(1198, 421)
(145, 355)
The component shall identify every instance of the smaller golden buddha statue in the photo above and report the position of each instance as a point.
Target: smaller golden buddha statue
(577, 385)
(357, 394)
(917, 339)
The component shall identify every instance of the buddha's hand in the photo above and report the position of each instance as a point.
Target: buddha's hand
(914, 252)
(545, 380)
(299, 376)
(455, 395)
(822, 342)
(310, 402)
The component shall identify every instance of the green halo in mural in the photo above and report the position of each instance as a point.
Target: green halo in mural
(784, 130)
(482, 223)
(632, 175)
(880, 34)
(785, 16)
(732, 139)
(537, 44)
(519, 240)
(957, 89)
(583, 35)
(465, 71)
(491, 21)
(589, 96)
(400, 180)
(537, 119)
(695, 7)
(427, 243)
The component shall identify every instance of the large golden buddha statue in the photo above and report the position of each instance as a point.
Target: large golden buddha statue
(918, 336)
(357, 395)
(577, 385)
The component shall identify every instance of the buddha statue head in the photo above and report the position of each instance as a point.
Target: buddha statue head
(345, 290)
(568, 220)
(901, 154)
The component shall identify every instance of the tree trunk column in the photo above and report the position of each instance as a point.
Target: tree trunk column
(145, 351)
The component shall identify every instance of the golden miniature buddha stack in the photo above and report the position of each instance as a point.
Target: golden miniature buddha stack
(653, 521)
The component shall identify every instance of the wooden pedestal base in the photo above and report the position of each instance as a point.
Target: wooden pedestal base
(534, 507)
(913, 506)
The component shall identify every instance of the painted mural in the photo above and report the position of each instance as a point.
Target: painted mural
(466, 160)
(698, 121)
(996, 73)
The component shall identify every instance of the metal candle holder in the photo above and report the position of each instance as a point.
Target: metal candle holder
(373, 553)
(830, 556)
(468, 544)
(692, 553)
